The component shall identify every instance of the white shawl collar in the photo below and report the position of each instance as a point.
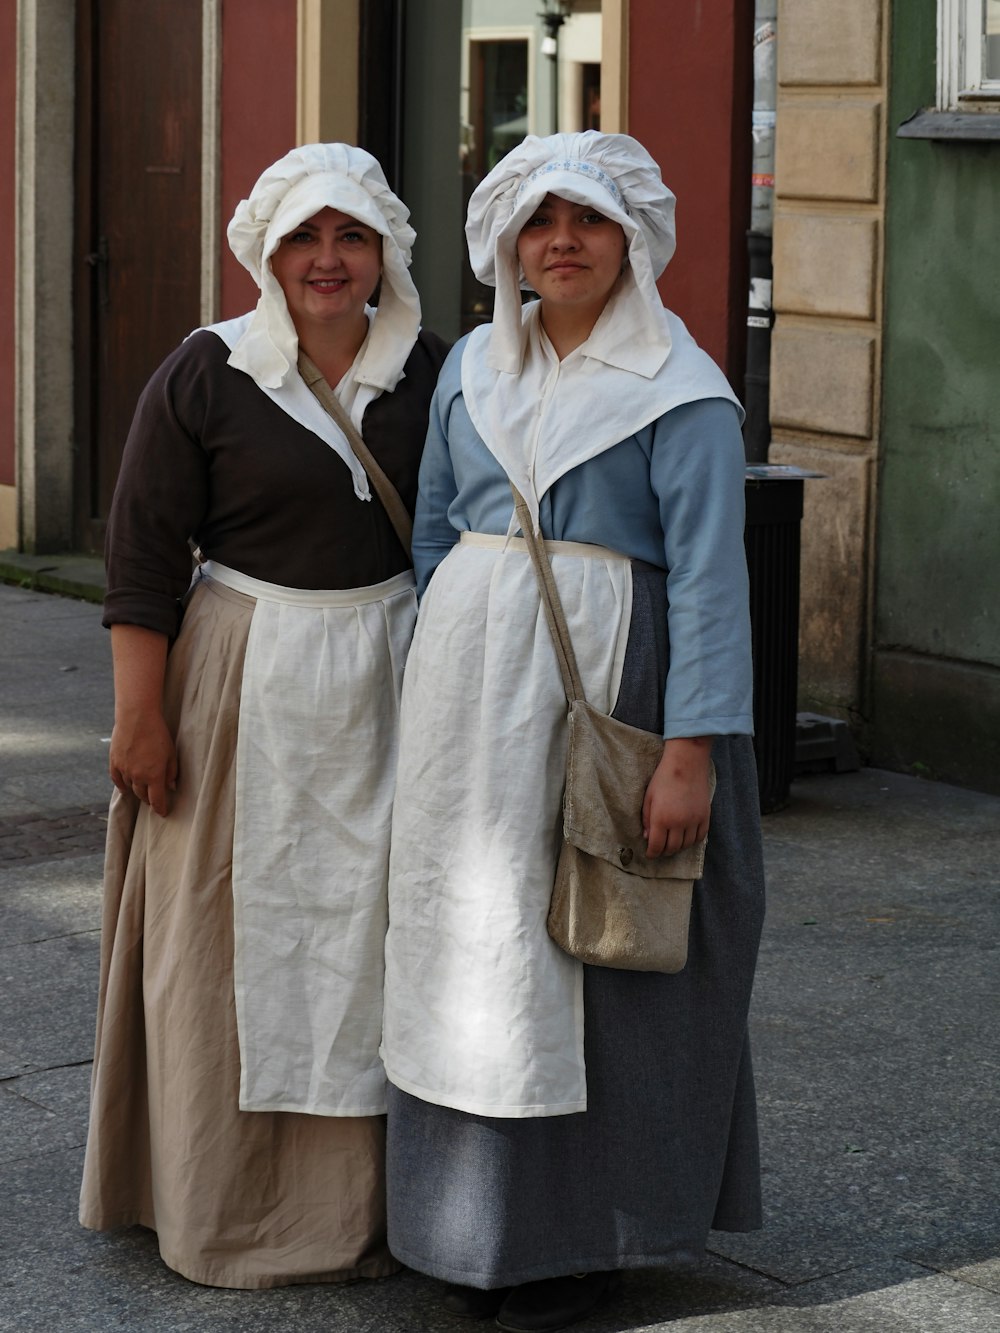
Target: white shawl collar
(297, 400)
(555, 415)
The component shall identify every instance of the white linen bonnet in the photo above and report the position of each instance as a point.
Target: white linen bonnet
(296, 187)
(615, 175)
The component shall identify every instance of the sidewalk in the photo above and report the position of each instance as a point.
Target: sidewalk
(875, 1025)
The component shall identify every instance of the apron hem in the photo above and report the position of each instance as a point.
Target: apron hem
(519, 1111)
(315, 1108)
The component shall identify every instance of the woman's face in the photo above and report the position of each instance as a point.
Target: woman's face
(571, 255)
(328, 268)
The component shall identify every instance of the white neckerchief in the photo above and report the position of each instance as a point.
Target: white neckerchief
(555, 414)
(297, 400)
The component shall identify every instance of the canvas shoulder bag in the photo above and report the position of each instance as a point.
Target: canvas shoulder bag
(611, 904)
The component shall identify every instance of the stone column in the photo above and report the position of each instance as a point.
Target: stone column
(829, 212)
(43, 277)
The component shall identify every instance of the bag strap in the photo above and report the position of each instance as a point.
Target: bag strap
(384, 489)
(551, 603)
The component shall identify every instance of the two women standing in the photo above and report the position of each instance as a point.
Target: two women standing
(547, 1120)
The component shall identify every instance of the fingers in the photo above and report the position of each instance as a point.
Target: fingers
(646, 805)
(668, 840)
(686, 835)
(143, 761)
(155, 792)
(677, 839)
(156, 797)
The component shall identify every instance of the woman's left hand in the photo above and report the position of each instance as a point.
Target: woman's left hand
(678, 802)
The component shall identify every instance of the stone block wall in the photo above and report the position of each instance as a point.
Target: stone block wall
(826, 350)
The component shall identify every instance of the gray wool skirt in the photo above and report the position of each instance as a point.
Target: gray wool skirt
(667, 1147)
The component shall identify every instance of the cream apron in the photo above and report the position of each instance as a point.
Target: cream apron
(315, 762)
(495, 1025)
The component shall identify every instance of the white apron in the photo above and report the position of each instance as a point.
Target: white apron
(494, 1026)
(315, 761)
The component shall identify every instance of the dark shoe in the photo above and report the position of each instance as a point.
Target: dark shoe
(473, 1302)
(556, 1302)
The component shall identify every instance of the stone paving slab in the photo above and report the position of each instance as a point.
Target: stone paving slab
(811, 1236)
(63, 1092)
(48, 1002)
(42, 789)
(56, 704)
(44, 899)
(39, 1233)
(889, 1297)
(27, 1128)
(970, 1258)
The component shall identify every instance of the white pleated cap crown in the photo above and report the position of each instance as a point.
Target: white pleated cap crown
(295, 188)
(612, 173)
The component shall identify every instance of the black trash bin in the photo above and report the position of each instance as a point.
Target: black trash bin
(773, 537)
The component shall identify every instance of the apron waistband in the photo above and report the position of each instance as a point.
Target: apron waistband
(495, 543)
(316, 597)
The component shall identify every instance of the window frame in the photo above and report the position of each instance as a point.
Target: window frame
(961, 39)
(513, 33)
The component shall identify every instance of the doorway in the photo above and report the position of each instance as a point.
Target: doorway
(137, 261)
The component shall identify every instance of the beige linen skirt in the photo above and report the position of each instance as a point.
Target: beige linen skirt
(237, 1199)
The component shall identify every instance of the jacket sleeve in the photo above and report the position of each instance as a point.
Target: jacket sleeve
(697, 473)
(433, 532)
(159, 499)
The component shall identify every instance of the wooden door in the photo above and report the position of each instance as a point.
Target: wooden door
(138, 260)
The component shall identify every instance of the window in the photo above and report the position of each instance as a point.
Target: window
(991, 42)
(497, 116)
(968, 53)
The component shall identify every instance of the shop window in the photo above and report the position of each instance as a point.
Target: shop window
(496, 118)
(493, 119)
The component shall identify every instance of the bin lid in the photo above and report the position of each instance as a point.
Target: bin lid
(779, 472)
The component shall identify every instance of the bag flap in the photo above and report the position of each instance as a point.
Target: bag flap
(608, 768)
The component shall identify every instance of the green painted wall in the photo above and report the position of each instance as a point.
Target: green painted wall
(936, 664)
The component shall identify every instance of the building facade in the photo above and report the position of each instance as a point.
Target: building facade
(934, 701)
(886, 369)
(132, 131)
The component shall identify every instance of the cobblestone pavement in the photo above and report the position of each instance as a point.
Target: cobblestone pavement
(35, 837)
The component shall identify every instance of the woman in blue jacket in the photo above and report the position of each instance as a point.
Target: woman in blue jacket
(552, 1123)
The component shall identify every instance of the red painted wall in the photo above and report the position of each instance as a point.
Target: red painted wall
(690, 98)
(8, 117)
(258, 116)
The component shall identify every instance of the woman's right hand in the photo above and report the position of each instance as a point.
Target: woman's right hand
(143, 759)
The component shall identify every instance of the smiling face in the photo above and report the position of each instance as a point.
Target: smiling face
(328, 267)
(572, 256)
